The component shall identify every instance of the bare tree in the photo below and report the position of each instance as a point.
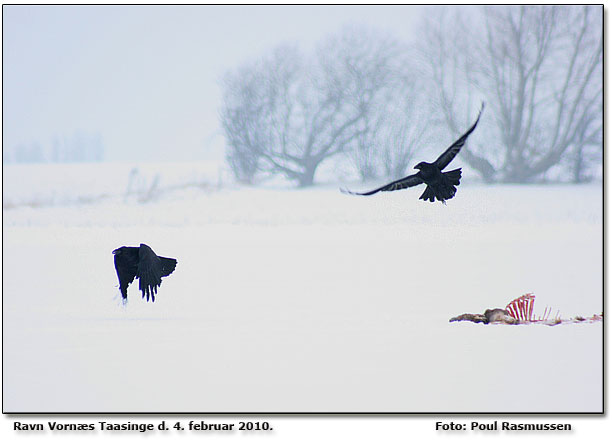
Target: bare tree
(293, 116)
(243, 117)
(406, 130)
(540, 69)
(586, 152)
(367, 64)
(381, 78)
(288, 113)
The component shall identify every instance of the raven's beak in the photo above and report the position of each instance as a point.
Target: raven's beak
(116, 251)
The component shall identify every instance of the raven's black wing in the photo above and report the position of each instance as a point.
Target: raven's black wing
(450, 153)
(126, 265)
(149, 271)
(405, 182)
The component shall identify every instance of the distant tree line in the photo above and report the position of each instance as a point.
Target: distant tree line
(369, 98)
(79, 147)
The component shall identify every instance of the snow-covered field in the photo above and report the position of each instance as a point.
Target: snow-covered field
(289, 300)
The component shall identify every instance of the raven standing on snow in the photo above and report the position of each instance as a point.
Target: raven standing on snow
(142, 263)
(439, 185)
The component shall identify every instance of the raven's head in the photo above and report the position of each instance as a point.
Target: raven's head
(419, 166)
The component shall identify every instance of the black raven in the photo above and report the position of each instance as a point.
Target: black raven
(142, 263)
(439, 185)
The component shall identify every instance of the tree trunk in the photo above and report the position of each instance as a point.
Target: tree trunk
(306, 178)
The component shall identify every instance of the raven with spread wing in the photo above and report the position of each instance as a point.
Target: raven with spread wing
(441, 186)
(142, 263)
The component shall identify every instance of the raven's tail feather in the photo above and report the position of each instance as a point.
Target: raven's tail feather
(428, 194)
(453, 176)
(444, 191)
(448, 190)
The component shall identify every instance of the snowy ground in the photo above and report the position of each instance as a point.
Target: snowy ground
(298, 300)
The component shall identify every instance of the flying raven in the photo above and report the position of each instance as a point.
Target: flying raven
(439, 185)
(142, 263)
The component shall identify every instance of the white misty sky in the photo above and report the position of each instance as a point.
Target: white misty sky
(147, 77)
